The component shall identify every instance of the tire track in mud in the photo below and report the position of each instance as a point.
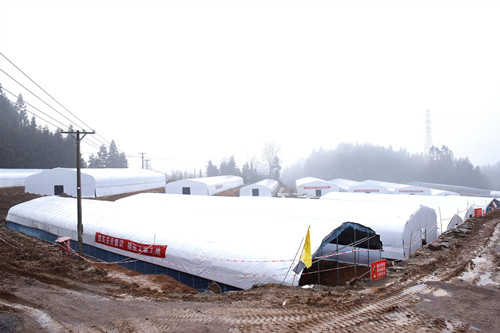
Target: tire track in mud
(42, 318)
(372, 315)
(388, 311)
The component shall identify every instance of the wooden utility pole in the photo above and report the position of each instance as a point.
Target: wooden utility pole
(142, 158)
(79, 137)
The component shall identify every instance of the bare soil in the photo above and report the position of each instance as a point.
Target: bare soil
(451, 285)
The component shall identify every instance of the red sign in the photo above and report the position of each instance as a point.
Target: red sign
(217, 187)
(478, 212)
(130, 246)
(378, 270)
(366, 191)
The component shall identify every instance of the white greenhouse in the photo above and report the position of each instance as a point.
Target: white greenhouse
(95, 182)
(264, 188)
(237, 242)
(450, 210)
(397, 223)
(203, 186)
(395, 188)
(442, 193)
(314, 186)
(16, 177)
(403, 228)
(347, 185)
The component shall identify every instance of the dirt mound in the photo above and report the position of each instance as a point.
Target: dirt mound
(11, 196)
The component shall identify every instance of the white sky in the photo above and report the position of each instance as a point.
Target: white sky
(189, 81)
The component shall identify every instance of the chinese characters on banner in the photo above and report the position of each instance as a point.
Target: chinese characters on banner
(130, 246)
(325, 187)
(377, 269)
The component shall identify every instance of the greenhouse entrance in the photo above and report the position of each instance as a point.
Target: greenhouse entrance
(345, 254)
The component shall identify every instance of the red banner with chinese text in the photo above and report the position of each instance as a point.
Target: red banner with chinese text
(130, 246)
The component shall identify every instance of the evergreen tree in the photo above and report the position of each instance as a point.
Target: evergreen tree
(113, 159)
(250, 173)
(25, 144)
(105, 159)
(228, 167)
(100, 160)
(212, 169)
(21, 109)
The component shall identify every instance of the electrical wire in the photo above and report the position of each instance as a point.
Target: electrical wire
(45, 120)
(93, 144)
(44, 90)
(81, 121)
(101, 141)
(50, 106)
(60, 123)
(28, 111)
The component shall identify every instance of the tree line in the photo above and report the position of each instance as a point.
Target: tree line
(252, 171)
(27, 145)
(366, 161)
(268, 167)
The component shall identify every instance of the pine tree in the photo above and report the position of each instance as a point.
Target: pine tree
(21, 109)
(212, 169)
(113, 156)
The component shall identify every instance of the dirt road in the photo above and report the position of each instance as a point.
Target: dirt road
(450, 286)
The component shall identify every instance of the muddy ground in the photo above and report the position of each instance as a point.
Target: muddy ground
(452, 285)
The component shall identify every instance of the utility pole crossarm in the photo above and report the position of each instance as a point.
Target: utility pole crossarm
(142, 158)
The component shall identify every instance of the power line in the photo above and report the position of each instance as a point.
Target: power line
(90, 142)
(26, 75)
(102, 140)
(35, 109)
(36, 96)
(44, 90)
(93, 144)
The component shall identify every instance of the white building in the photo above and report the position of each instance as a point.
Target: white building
(204, 186)
(314, 186)
(264, 188)
(95, 182)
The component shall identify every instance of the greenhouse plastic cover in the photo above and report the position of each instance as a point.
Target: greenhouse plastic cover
(266, 187)
(385, 218)
(204, 185)
(310, 184)
(96, 182)
(399, 225)
(236, 241)
(396, 188)
(449, 209)
(16, 177)
(347, 185)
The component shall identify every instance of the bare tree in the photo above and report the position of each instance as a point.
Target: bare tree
(270, 153)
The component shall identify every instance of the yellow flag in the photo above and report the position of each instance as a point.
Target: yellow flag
(306, 256)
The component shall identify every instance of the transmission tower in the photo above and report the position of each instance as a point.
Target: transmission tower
(428, 134)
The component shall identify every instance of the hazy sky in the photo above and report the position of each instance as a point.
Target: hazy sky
(189, 81)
